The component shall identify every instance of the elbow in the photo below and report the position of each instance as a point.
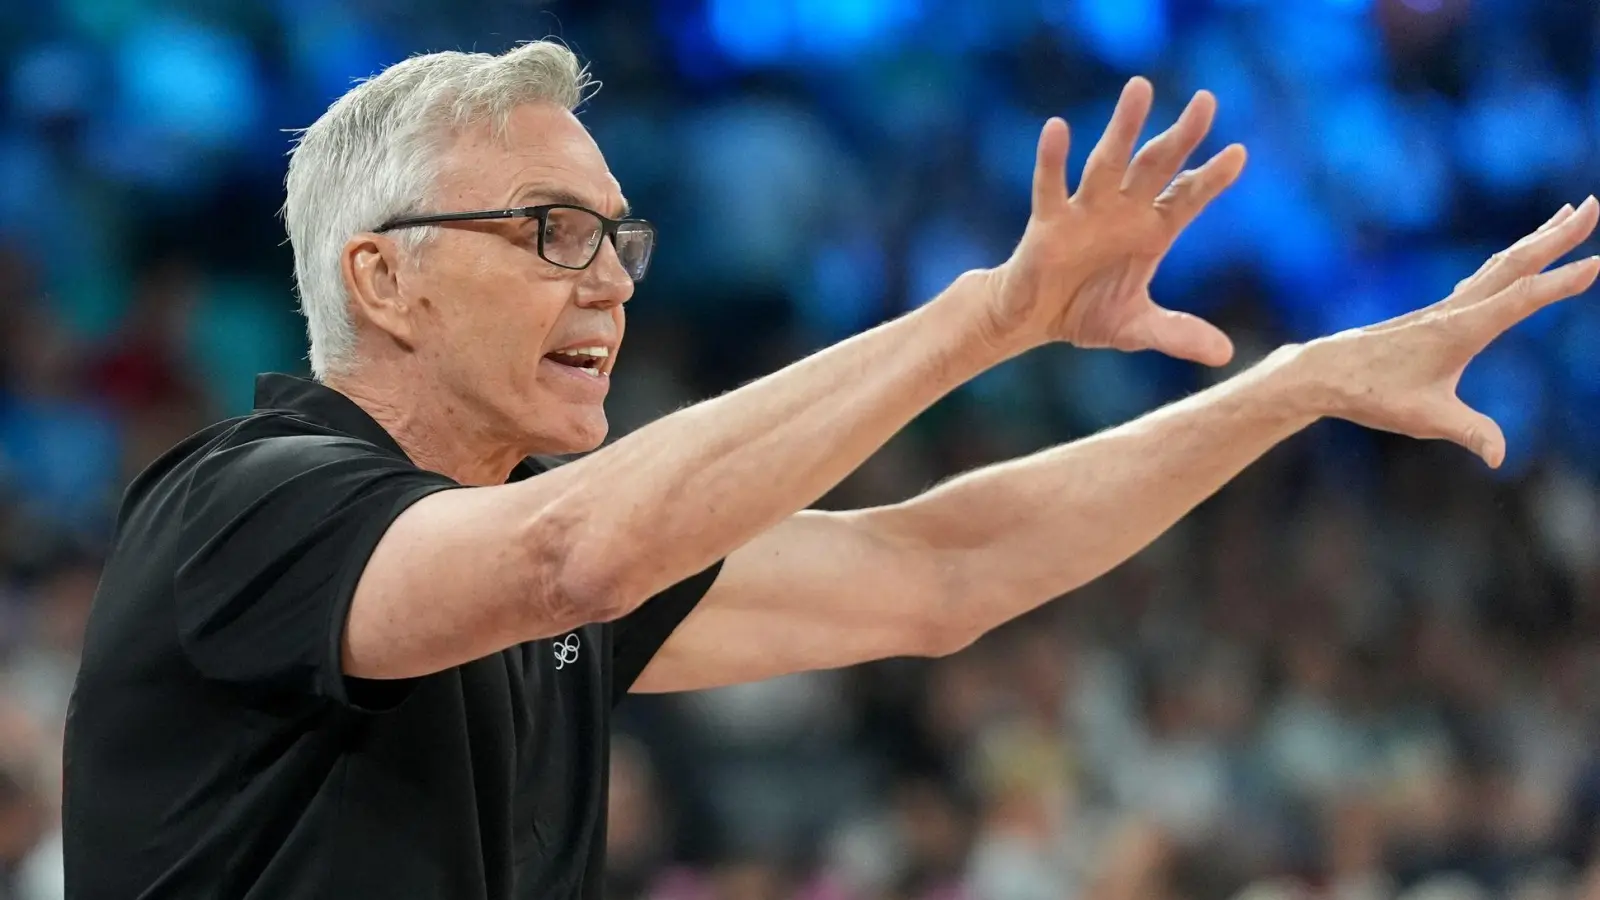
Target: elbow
(578, 577)
(976, 592)
(587, 596)
(951, 624)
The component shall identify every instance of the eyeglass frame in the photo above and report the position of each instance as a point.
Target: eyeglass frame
(608, 227)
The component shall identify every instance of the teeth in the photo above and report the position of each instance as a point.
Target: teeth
(594, 354)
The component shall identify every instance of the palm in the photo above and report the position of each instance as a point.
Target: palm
(1083, 269)
(1113, 308)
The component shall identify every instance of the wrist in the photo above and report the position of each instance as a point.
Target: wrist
(967, 335)
(970, 302)
(1295, 384)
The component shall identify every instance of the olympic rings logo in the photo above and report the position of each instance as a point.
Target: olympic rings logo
(566, 651)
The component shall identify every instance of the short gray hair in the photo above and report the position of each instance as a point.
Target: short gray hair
(372, 157)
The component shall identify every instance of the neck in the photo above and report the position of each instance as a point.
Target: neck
(439, 433)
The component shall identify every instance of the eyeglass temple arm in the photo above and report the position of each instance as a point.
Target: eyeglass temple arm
(453, 217)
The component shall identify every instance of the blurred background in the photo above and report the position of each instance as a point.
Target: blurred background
(1368, 669)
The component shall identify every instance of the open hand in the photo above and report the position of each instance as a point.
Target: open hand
(1082, 271)
(1401, 375)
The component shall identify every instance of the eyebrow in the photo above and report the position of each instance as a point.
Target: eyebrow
(552, 194)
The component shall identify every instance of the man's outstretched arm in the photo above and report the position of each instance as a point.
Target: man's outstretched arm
(932, 574)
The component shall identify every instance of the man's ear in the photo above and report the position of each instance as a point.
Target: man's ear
(371, 268)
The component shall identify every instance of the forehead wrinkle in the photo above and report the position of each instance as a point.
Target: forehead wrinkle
(554, 193)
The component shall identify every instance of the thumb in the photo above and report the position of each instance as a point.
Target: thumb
(1181, 335)
(1475, 431)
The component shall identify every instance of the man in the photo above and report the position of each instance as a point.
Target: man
(358, 644)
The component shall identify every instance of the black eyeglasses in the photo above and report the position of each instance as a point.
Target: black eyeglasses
(569, 236)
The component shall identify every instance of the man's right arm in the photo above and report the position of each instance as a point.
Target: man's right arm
(464, 573)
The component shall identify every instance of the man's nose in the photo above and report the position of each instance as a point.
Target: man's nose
(608, 283)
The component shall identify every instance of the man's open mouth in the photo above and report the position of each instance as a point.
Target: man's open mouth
(590, 359)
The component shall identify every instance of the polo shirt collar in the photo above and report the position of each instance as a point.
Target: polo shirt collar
(327, 407)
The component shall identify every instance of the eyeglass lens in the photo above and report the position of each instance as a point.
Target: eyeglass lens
(572, 238)
(634, 245)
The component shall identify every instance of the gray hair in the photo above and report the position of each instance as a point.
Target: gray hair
(372, 157)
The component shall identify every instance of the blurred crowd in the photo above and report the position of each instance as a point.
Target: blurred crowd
(1364, 671)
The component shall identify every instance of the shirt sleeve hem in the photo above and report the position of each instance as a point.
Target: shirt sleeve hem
(366, 695)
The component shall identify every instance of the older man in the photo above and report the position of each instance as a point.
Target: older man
(359, 644)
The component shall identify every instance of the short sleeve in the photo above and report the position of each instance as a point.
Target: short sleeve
(274, 537)
(637, 636)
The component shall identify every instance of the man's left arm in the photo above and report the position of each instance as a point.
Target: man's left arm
(928, 576)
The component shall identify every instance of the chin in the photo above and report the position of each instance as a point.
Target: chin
(581, 432)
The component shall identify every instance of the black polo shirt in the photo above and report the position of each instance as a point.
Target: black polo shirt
(214, 748)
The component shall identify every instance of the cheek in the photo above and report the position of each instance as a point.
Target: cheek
(531, 316)
(492, 314)
(520, 329)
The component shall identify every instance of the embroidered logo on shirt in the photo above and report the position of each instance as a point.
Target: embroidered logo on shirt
(566, 651)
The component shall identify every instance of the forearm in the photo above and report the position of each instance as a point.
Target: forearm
(1015, 535)
(687, 490)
